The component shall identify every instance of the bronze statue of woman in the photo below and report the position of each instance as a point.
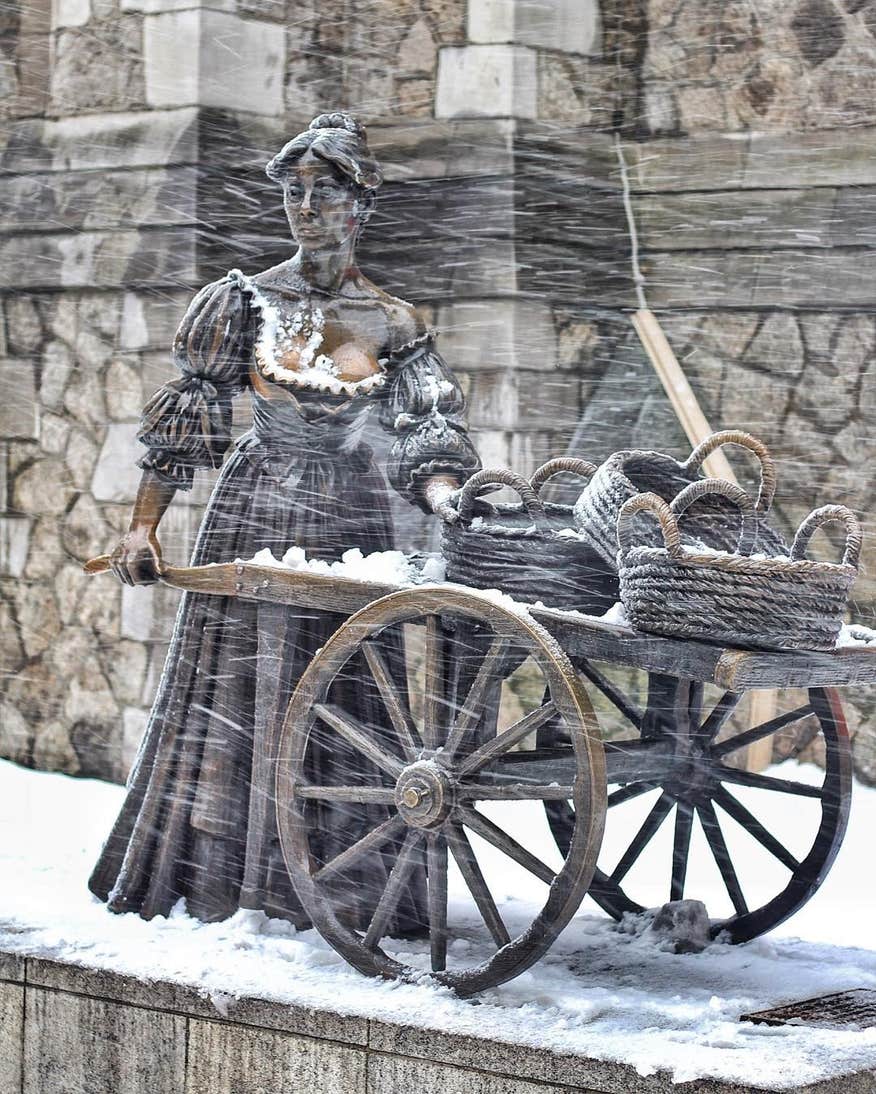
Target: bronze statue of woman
(318, 347)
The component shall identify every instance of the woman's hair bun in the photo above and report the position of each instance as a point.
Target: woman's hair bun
(339, 120)
(339, 139)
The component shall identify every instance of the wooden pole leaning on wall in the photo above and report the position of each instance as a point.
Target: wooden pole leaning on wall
(761, 704)
(681, 395)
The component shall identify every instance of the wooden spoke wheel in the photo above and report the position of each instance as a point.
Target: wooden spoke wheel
(427, 772)
(766, 840)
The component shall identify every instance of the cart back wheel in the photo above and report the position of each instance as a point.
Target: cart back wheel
(433, 771)
(770, 838)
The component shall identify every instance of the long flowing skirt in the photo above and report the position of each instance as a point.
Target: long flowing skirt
(199, 820)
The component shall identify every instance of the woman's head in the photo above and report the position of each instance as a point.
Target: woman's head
(329, 179)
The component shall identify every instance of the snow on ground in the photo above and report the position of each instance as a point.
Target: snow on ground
(600, 992)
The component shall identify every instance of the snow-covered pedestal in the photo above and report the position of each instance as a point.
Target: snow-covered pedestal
(93, 1003)
(85, 1030)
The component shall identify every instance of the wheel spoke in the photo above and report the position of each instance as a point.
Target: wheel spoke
(767, 782)
(433, 682)
(436, 865)
(718, 717)
(680, 849)
(500, 839)
(800, 742)
(471, 710)
(612, 693)
(401, 871)
(357, 737)
(376, 838)
(371, 795)
(643, 837)
(395, 705)
(752, 825)
(474, 879)
(601, 882)
(507, 740)
(752, 736)
(531, 756)
(718, 846)
(517, 791)
(626, 793)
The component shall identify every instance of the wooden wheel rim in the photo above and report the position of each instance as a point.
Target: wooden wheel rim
(571, 882)
(811, 870)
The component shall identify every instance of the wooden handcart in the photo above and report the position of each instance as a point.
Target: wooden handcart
(450, 763)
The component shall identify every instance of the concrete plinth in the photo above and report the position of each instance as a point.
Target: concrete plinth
(87, 1031)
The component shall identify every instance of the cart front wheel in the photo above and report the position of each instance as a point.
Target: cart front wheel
(442, 790)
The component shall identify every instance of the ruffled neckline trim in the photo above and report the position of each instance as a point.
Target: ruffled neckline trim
(317, 376)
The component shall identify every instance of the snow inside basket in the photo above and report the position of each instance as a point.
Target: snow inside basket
(628, 473)
(528, 549)
(733, 598)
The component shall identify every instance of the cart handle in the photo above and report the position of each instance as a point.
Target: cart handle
(102, 564)
(733, 493)
(826, 515)
(98, 565)
(767, 489)
(583, 468)
(499, 477)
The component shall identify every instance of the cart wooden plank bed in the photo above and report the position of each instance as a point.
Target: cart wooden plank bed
(448, 745)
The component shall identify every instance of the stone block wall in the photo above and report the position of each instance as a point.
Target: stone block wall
(772, 67)
(133, 138)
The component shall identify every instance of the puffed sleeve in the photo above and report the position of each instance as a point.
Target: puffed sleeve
(187, 422)
(423, 405)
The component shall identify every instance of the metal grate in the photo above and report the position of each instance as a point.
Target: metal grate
(843, 1010)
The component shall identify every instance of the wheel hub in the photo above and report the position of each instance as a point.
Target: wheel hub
(694, 780)
(424, 794)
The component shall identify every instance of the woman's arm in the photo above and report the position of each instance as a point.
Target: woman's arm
(423, 407)
(186, 424)
(437, 492)
(136, 559)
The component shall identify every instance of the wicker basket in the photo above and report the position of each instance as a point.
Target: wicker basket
(732, 598)
(527, 549)
(628, 473)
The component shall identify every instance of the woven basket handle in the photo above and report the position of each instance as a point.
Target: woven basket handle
(500, 477)
(703, 487)
(656, 506)
(558, 465)
(767, 489)
(825, 515)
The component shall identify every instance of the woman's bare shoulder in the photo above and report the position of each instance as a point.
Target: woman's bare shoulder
(404, 320)
(282, 276)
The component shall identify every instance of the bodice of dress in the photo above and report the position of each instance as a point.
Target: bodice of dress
(305, 428)
(230, 340)
(291, 347)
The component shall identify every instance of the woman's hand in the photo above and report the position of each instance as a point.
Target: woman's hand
(438, 492)
(136, 559)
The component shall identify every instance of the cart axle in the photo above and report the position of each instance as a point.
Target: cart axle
(425, 793)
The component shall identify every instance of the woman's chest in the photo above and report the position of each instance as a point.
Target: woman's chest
(319, 343)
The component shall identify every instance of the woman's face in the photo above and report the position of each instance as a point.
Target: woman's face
(320, 204)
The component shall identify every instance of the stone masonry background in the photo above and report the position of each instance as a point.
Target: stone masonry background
(131, 147)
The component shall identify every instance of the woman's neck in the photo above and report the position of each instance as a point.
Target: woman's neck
(325, 270)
